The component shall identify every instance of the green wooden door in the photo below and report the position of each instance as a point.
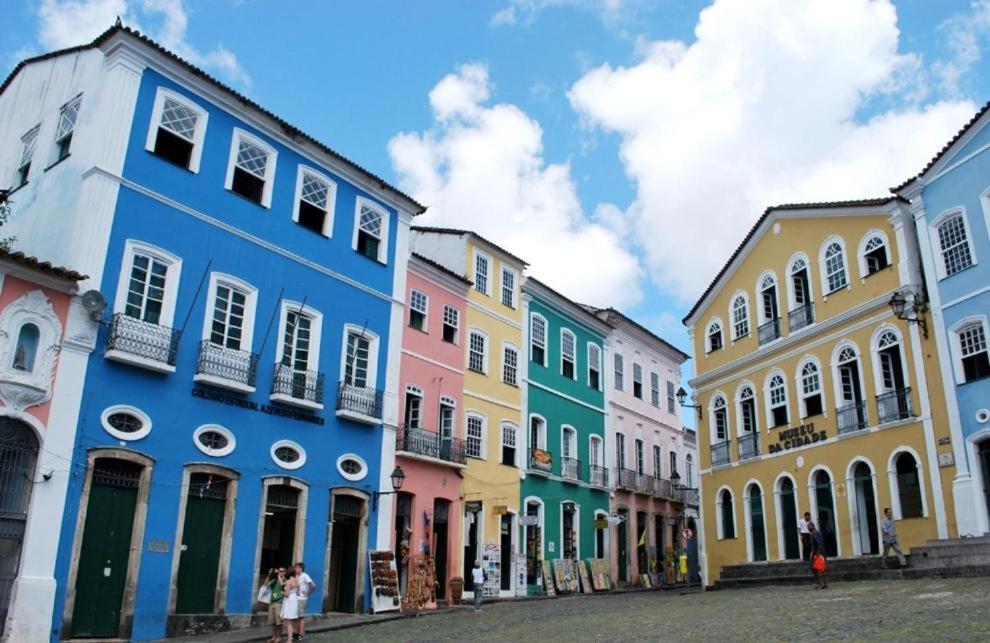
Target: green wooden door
(103, 556)
(200, 557)
(788, 520)
(757, 530)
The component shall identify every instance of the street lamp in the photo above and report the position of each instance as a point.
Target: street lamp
(682, 400)
(904, 309)
(398, 477)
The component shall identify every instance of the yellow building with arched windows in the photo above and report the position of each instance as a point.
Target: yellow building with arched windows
(815, 397)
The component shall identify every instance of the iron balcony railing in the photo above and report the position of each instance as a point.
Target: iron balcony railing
(644, 483)
(362, 400)
(689, 496)
(663, 488)
(894, 405)
(570, 469)
(302, 385)
(429, 443)
(749, 446)
(690, 436)
(851, 417)
(720, 453)
(801, 317)
(626, 479)
(227, 363)
(769, 331)
(143, 339)
(541, 461)
(598, 476)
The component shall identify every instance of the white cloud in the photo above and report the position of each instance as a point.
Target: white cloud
(65, 23)
(760, 109)
(524, 12)
(481, 167)
(967, 33)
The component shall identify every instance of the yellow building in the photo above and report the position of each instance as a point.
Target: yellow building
(492, 336)
(814, 397)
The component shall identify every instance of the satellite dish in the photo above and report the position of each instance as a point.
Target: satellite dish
(94, 303)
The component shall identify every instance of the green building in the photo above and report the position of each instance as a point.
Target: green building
(566, 487)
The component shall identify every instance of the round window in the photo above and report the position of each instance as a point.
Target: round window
(352, 467)
(214, 440)
(288, 455)
(125, 422)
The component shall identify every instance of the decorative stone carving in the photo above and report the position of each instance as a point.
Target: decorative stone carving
(20, 389)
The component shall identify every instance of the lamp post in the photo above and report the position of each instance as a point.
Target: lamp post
(398, 477)
(682, 400)
(909, 309)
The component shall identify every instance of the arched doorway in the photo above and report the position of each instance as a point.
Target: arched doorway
(757, 527)
(18, 457)
(622, 538)
(983, 451)
(865, 510)
(787, 511)
(348, 549)
(694, 572)
(825, 511)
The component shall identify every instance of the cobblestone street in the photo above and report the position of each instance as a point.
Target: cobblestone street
(942, 609)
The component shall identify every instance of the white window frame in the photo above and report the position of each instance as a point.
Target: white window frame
(537, 317)
(619, 371)
(655, 390)
(712, 424)
(791, 298)
(373, 347)
(568, 332)
(506, 348)
(760, 313)
(215, 453)
(72, 132)
(541, 438)
(483, 447)
(456, 326)
(132, 410)
(732, 320)
(933, 235)
(134, 247)
(875, 356)
(823, 267)
(719, 508)
(198, 137)
(836, 352)
(488, 275)
(657, 461)
(353, 477)
(637, 367)
(331, 197)
(315, 331)
(594, 439)
(721, 331)
(738, 400)
(414, 391)
(799, 386)
(30, 138)
(383, 241)
(956, 344)
(515, 432)
(485, 353)
(425, 312)
(291, 466)
(571, 444)
(236, 137)
(250, 307)
(861, 251)
(515, 285)
(768, 402)
(591, 346)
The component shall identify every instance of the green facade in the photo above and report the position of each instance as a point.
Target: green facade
(562, 402)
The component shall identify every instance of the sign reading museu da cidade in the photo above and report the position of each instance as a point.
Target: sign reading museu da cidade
(799, 436)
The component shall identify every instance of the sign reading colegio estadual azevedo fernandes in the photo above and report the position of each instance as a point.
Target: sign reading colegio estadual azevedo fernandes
(799, 436)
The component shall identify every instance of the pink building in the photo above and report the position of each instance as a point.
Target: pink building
(429, 442)
(45, 340)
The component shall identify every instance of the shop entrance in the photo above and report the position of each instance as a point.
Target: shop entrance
(569, 549)
(866, 510)
(622, 546)
(403, 537)
(826, 512)
(788, 519)
(441, 511)
(506, 552)
(757, 529)
(472, 525)
(202, 532)
(642, 564)
(106, 546)
(18, 455)
(533, 544)
(278, 537)
(692, 552)
(345, 550)
(984, 456)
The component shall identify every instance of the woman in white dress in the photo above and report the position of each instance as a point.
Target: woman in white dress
(290, 603)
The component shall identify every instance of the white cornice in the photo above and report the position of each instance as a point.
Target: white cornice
(567, 397)
(492, 400)
(424, 358)
(494, 315)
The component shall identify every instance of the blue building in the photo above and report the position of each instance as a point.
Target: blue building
(950, 200)
(238, 412)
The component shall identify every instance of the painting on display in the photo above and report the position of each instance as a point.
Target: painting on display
(384, 582)
(548, 585)
(655, 580)
(491, 563)
(565, 575)
(521, 589)
(644, 580)
(586, 587)
(599, 575)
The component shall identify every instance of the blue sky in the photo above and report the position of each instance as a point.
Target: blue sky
(617, 145)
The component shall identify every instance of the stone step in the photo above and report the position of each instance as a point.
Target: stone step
(953, 549)
(857, 575)
(952, 542)
(946, 560)
(789, 568)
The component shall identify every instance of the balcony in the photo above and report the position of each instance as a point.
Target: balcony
(749, 446)
(769, 331)
(540, 462)
(720, 453)
(851, 417)
(359, 403)
(141, 343)
(644, 484)
(690, 436)
(303, 389)
(227, 368)
(689, 496)
(894, 405)
(598, 476)
(415, 441)
(801, 317)
(570, 469)
(663, 489)
(626, 479)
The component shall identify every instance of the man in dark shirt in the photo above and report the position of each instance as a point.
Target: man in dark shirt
(817, 548)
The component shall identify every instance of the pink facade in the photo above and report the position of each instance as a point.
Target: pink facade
(429, 440)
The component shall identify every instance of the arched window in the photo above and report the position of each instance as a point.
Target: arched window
(973, 350)
(777, 400)
(509, 433)
(908, 486)
(720, 419)
(801, 310)
(851, 414)
(893, 396)
(873, 253)
(747, 410)
(714, 335)
(538, 339)
(567, 358)
(27, 348)
(768, 298)
(835, 267)
(811, 390)
(689, 470)
(727, 515)
(740, 317)
(955, 251)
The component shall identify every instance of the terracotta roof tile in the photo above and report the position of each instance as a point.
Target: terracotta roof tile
(33, 263)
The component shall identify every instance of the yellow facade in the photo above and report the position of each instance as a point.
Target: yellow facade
(853, 342)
